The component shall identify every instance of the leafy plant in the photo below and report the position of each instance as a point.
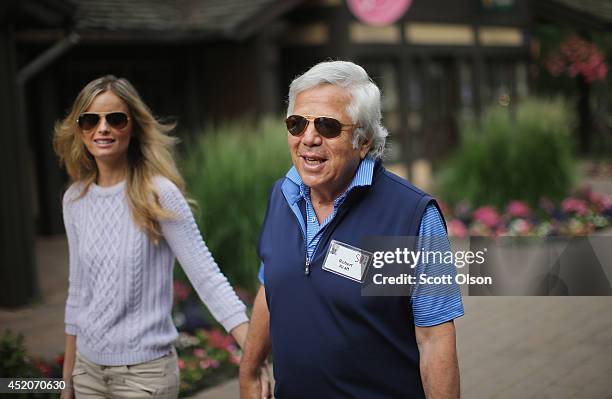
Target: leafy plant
(16, 363)
(229, 171)
(525, 156)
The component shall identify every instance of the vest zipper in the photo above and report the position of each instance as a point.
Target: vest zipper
(307, 263)
(322, 232)
(309, 259)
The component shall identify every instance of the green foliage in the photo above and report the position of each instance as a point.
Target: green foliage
(229, 171)
(522, 157)
(16, 363)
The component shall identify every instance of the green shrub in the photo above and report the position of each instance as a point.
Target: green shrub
(15, 362)
(522, 157)
(229, 171)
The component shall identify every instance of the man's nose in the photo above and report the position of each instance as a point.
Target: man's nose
(310, 136)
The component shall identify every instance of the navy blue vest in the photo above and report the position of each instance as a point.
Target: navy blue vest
(329, 341)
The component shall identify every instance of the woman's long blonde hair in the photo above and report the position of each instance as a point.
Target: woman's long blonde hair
(150, 152)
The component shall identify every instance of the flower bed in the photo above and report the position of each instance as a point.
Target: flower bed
(581, 214)
(207, 355)
(205, 359)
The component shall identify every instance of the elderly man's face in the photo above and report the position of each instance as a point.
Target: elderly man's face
(325, 165)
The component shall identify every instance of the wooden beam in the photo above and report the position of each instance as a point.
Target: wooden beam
(50, 177)
(17, 269)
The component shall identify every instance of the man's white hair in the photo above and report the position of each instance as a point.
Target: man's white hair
(364, 109)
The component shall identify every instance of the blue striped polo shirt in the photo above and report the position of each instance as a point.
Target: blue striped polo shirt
(428, 310)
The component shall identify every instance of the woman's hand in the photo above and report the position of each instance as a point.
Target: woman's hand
(240, 334)
(264, 380)
(67, 393)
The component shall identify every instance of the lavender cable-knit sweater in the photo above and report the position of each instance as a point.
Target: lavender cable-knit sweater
(120, 296)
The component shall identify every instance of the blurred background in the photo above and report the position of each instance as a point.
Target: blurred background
(501, 108)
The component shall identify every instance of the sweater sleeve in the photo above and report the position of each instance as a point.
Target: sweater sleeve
(75, 279)
(185, 240)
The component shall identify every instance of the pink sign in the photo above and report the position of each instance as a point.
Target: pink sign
(378, 12)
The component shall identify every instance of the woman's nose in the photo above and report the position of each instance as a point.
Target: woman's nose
(103, 126)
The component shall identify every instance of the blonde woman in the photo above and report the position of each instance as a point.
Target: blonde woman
(126, 219)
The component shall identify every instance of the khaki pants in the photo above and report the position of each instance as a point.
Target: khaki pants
(157, 379)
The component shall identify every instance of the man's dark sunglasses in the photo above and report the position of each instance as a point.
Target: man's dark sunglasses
(327, 127)
(90, 120)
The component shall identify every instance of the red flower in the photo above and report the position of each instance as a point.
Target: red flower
(518, 209)
(456, 228)
(181, 291)
(606, 202)
(576, 56)
(217, 339)
(574, 205)
(43, 367)
(487, 215)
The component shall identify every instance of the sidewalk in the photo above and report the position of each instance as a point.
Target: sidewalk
(509, 347)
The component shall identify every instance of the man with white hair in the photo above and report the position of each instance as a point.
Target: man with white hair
(328, 340)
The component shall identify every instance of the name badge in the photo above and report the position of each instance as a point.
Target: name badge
(346, 260)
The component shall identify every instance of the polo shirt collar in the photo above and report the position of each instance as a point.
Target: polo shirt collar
(294, 188)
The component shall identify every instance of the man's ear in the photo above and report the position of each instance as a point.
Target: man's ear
(364, 147)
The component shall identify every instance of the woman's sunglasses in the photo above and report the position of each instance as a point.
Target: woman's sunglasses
(327, 127)
(90, 120)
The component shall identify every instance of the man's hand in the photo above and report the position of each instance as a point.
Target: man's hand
(254, 377)
(255, 385)
(250, 385)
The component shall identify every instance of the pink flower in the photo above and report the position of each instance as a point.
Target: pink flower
(456, 228)
(577, 56)
(199, 352)
(234, 359)
(575, 205)
(181, 364)
(209, 363)
(518, 209)
(181, 291)
(500, 231)
(606, 202)
(218, 340)
(487, 215)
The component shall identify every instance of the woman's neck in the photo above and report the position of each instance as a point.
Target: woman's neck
(110, 174)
